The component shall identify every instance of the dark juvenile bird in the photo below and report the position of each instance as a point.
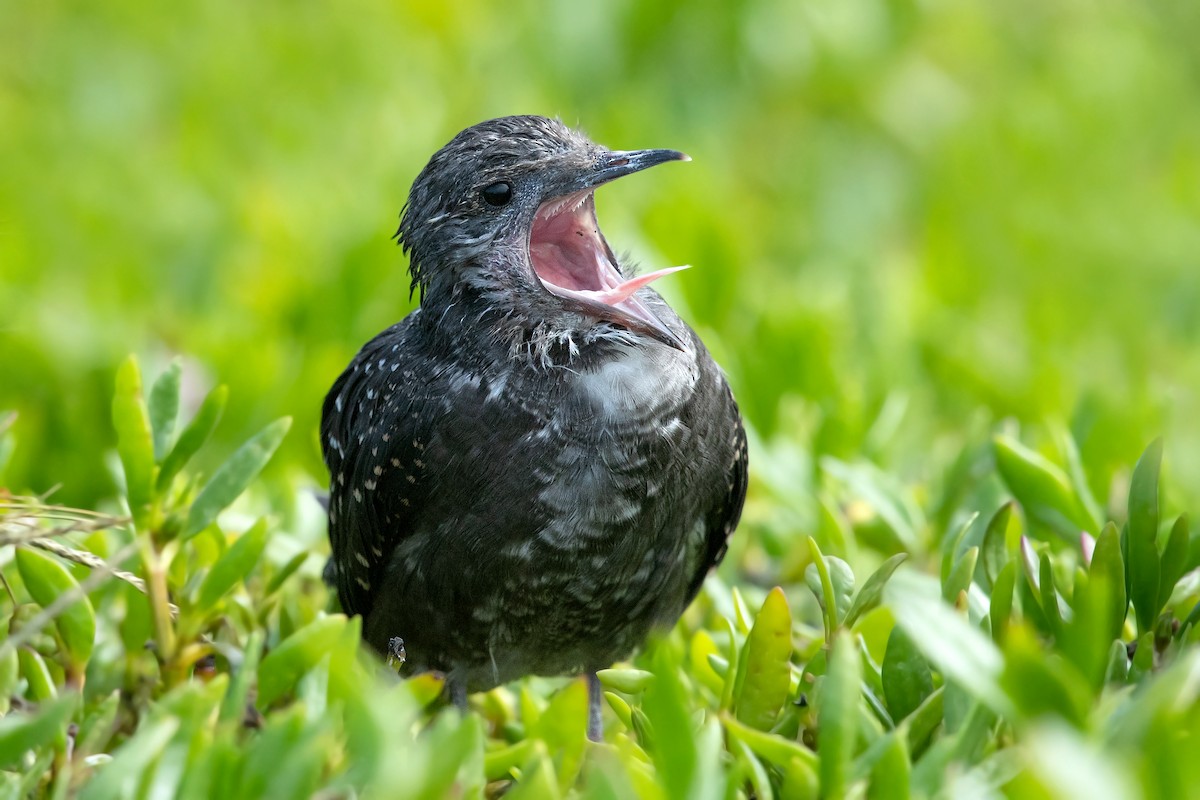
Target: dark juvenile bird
(537, 467)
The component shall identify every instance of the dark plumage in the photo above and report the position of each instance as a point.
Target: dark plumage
(540, 465)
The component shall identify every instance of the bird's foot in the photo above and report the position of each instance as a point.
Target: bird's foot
(395, 652)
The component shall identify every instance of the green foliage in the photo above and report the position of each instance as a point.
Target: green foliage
(964, 234)
(904, 685)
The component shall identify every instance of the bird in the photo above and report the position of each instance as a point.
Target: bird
(536, 468)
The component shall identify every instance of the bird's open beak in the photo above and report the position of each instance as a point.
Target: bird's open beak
(574, 262)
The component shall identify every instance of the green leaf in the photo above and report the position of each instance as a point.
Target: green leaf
(994, 551)
(955, 647)
(885, 494)
(827, 596)
(891, 773)
(1049, 594)
(1109, 567)
(233, 566)
(193, 437)
(1039, 684)
(135, 441)
(499, 764)
(1042, 488)
(1078, 477)
(776, 749)
(10, 673)
(1144, 570)
(1001, 602)
(629, 681)
(538, 781)
(959, 579)
(563, 727)
(762, 687)
(924, 721)
(233, 706)
(232, 478)
(952, 545)
(1174, 560)
(286, 571)
(121, 777)
(753, 770)
(871, 593)
(97, 728)
(286, 664)
(841, 578)
(164, 408)
(46, 580)
(906, 677)
(1117, 669)
(21, 732)
(837, 715)
(39, 685)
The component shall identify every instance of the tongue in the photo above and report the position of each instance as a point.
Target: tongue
(621, 291)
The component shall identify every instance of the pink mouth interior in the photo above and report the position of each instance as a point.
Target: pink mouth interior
(571, 259)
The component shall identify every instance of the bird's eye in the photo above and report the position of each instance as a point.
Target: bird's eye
(497, 194)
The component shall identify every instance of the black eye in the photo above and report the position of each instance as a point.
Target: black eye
(497, 194)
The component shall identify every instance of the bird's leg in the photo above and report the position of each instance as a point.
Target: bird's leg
(458, 693)
(595, 726)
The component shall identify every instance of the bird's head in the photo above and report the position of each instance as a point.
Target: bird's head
(506, 210)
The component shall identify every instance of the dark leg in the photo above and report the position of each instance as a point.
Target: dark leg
(458, 693)
(595, 726)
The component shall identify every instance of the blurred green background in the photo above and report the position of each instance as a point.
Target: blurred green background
(908, 220)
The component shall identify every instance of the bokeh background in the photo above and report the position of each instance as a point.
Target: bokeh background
(909, 221)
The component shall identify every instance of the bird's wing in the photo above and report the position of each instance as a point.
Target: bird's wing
(368, 440)
(723, 518)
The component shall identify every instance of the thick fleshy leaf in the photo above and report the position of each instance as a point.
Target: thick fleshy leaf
(951, 644)
(823, 587)
(871, 593)
(39, 683)
(1042, 488)
(24, 731)
(1174, 560)
(1144, 567)
(232, 478)
(1049, 594)
(837, 715)
(1109, 566)
(563, 727)
(994, 551)
(296, 655)
(762, 687)
(164, 408)
(627, 680)
(47, 580)
(890, 775)
(776, 749)
(1039, 685)
(10, 673)
(193, 436)
(959, 579)
(121, 777)
(233, 706)
(907, 679)
(1002, 600)
(135, 440)
(233, 566)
